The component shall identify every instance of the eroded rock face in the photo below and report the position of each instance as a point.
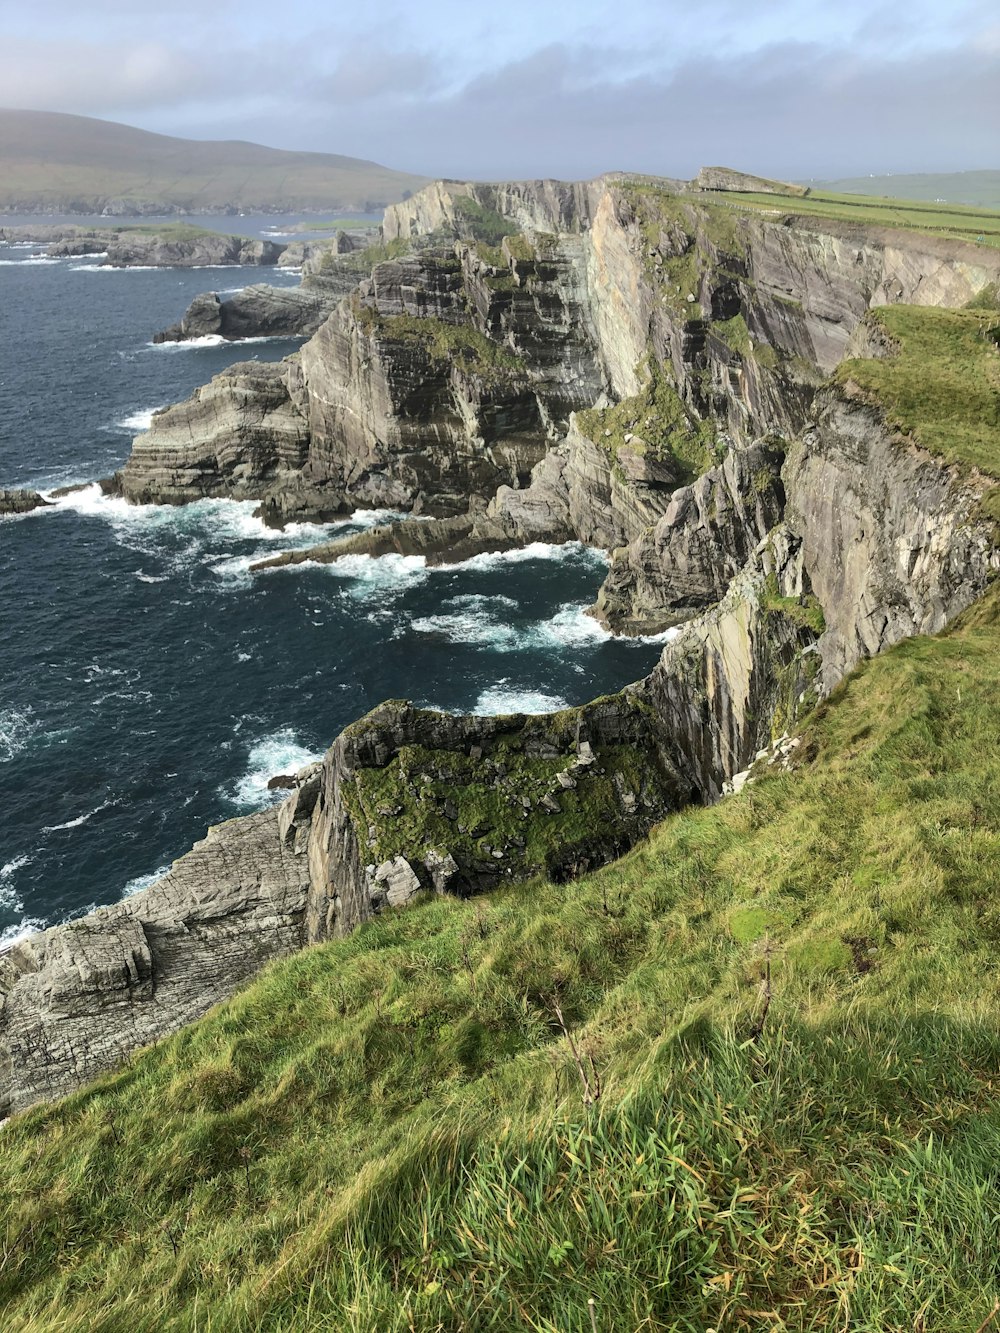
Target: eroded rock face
(239, 435)
(890, 537)
(76, 1000)
(258, 311)
(413, 799)
(446, 384)
(20, 501)
(686, 561)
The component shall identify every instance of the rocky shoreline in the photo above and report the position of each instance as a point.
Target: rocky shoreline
(627, 367)
(171, 247)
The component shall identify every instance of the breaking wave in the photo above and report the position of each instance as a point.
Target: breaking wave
(280, 752)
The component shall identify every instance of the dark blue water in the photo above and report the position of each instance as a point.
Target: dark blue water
(149, 686)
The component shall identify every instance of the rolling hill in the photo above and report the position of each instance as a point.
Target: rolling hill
(76, 164)
(953, 187)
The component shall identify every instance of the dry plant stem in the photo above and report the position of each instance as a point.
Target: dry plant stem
(591, 1092)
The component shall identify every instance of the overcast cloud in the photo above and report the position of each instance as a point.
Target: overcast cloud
(803, 88)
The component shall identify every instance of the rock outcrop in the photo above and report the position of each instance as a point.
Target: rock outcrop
(20, 501)
(76, 1000)
(172, 247)
(258, 311)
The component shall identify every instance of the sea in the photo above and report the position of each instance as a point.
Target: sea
(150, 686)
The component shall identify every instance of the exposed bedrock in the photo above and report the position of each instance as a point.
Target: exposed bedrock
(650, 381)
(20, 501)
(258, 311)
(686, 560)
(892, 541)
(240, 435)
(169, 248)
(76, 1000)
(413, 800)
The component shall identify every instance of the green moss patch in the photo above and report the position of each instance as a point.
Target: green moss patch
(455, 344)
(941, 383)
(659, 424)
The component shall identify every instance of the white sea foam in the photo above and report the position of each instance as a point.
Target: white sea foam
(471, 628)
(189, 344)
(31, 259)
(141, 420)
(533, 551)
(280, 752)
(143, 881)
(81, 819)
(7, 897)
(504, 698)
(117, 268)
(369, 575)
(17, 726)
(28, 925)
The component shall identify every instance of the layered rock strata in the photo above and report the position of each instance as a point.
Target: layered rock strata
(258, 311)
(20, 501)
(635, 369)
(76, 1000)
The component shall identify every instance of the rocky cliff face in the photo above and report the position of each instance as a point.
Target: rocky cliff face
(621, 363)
(258, 311)
(78, 999)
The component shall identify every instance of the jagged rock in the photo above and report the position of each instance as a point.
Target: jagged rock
(442, 868)
(167, 249)
(890, 538)
(20, 501)
(77, 999)
(403, 404)
(395, 882)
(258, 311)
(686, 561)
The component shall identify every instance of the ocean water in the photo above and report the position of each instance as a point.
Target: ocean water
(149, 686)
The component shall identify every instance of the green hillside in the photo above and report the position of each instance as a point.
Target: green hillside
(980, 226)
(955, 187)
(55, 162)
(489, 1114)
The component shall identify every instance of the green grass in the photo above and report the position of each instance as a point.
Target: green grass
(481, 223)
(941, 382)
(979, 188)
(363, 261)
(390, 1131)
(956, 221)
(55, 162)
(454, 344)
(657, 417)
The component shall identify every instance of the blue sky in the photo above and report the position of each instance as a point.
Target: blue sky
(534, 87)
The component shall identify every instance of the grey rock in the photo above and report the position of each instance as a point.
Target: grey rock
(20, 501)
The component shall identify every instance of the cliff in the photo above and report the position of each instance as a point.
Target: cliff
(721, 398)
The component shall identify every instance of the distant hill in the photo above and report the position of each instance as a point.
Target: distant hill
(50, 162)
(953, 187)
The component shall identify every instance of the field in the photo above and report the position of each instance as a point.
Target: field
(978, 225)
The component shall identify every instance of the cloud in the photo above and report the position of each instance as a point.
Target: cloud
(90, 77)
(820, 108)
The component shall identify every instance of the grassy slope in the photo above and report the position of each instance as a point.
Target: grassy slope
(389, 1131)
(958, 187)
(941, 358)
(977, 225)
(48, 160)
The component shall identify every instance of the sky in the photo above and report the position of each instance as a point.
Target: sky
(524, 88)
